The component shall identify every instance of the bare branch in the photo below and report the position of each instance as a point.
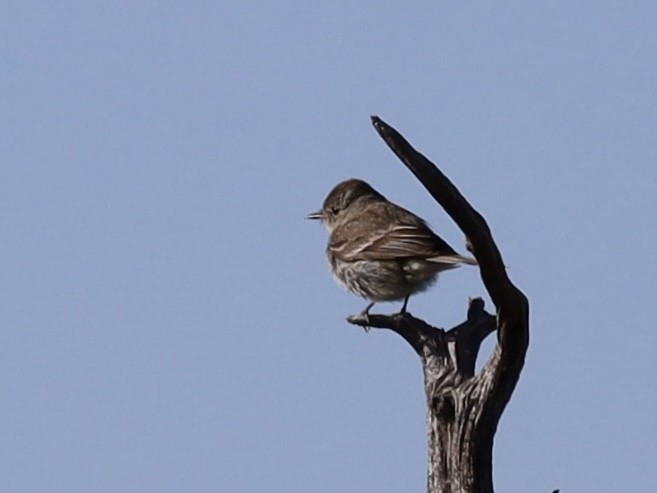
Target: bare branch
(512, 305)
(463, 408)
(466, 338)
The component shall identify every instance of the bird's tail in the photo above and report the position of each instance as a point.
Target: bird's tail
(453, 259)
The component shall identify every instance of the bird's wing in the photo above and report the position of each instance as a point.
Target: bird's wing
(399, 241)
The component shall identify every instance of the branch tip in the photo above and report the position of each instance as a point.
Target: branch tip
(475, 309)
(361, 319)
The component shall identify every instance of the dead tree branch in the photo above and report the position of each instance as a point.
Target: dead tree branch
(463, 408)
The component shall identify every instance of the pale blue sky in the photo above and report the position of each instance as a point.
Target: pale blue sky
(167, 320)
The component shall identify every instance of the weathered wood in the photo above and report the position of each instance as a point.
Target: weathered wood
(463, 408)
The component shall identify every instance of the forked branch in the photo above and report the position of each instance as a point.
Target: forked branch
(463, 408)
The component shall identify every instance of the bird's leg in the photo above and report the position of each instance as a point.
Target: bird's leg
(365, 314)
(366, 311)
(403, 309)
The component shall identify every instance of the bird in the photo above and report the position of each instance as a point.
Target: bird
(379, 250)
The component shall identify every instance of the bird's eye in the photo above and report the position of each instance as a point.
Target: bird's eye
(334, 210)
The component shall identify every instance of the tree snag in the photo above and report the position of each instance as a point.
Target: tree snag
(463, 408)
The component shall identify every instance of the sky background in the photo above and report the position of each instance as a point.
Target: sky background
(168, 323)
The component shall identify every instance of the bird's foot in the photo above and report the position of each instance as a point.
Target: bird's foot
(362, 319)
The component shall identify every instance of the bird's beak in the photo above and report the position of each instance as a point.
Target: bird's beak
(315, 215)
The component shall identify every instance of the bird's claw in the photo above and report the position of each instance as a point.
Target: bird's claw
(362, 319)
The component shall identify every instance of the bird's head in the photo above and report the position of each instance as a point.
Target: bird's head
(338, 205)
